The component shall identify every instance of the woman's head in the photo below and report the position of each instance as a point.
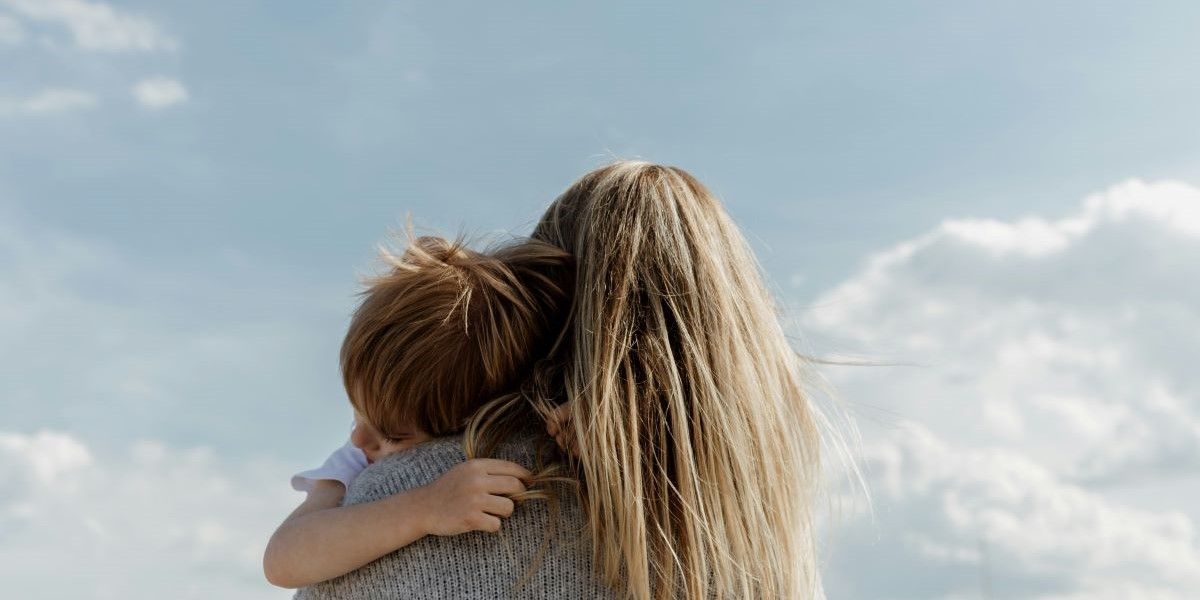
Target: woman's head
(447, 328)
(698, 449)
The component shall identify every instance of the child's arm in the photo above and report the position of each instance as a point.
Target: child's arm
(321, 540)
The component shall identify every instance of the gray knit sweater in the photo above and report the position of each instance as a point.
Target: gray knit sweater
(475, 564)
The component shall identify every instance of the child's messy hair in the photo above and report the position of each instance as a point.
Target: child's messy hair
(448, 328)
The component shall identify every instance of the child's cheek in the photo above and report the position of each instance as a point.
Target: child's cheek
(387, 449)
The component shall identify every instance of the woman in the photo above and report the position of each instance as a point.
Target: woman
(697, 448)
(693, 442)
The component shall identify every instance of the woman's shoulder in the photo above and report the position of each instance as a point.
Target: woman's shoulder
(542, 550)
(425, 462)
(411, 468)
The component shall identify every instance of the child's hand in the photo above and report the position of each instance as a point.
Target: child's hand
(472, 496)
(559, 428)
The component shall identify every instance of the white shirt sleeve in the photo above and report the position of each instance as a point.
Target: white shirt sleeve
(343, 465)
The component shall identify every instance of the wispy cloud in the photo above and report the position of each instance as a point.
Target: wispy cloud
(159, 92)
(189, 523)
(96, 26)
(93, 27)
(52, 100)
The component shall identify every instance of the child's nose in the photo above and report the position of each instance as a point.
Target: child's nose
(362, 440)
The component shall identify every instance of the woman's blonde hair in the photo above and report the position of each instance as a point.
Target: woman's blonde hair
(446, 329)
(698, 448)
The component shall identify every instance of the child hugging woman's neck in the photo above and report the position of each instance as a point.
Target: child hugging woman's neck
(442, 332)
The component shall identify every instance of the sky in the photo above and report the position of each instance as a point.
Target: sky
(999, 202)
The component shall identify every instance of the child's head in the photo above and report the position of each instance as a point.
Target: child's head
(447, 328)
(375, 445)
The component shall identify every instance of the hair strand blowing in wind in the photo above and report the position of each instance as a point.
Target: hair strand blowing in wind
(698, 449)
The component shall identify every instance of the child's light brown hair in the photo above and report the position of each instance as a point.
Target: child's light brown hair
(448, 328)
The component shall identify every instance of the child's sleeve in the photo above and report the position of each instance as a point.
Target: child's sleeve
(343, 465)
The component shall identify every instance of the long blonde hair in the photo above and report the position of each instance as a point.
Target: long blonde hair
(698, 448)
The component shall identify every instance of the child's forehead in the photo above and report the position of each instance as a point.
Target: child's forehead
(408, 426)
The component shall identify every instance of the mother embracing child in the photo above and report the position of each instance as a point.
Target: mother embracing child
(443, 331)
(695, 448)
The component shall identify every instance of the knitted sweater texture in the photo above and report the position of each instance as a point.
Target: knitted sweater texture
(474, 565)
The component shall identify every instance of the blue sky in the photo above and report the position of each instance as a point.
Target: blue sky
(188, 192)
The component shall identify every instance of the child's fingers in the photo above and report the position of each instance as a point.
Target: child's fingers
(567, 443)
(495, 466)
(561, 412)
(504, 484)
(486, 522)
(499, 506)
(558, 424)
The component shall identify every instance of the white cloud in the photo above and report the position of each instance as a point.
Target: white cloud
(53, 100)
(97, 348)
(95, 345)
(159, 92)
(104, 344)
(93, 26)
(1058, 331)
(47, 455)
(149, 522)
(1052, 381)
(945, 514)
(96, 25)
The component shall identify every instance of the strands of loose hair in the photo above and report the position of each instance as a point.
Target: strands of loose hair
(698, 448)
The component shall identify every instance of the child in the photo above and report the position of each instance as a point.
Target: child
(435, 338)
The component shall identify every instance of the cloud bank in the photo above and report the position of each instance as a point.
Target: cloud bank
(150, 522)
(1054, 371)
